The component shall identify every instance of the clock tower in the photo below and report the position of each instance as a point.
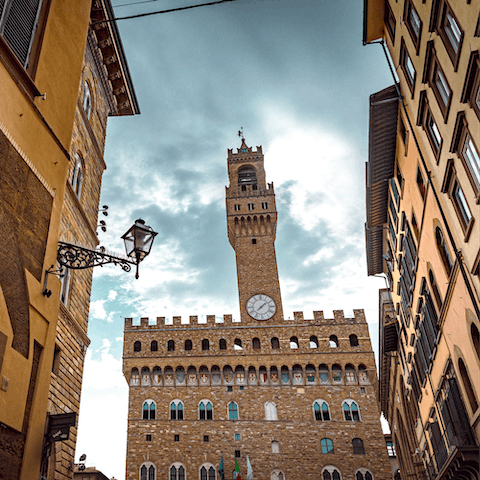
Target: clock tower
(252, 222)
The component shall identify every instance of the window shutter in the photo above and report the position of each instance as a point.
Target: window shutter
(19, 25)
(459, 412)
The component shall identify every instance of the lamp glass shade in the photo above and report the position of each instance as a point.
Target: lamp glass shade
(138, 240)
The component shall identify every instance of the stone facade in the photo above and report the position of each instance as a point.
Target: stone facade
(298, 397)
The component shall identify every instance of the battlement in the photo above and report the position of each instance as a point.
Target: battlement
(241, 151)
(236, 191)
(227, 320)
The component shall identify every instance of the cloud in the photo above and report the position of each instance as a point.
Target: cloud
(97, 309)
(112, 295)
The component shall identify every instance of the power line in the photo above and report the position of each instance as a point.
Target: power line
(134, 3)
(107, 20)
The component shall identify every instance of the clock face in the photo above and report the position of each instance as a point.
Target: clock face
(261, 307)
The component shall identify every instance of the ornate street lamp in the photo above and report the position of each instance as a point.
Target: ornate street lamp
(138, 243)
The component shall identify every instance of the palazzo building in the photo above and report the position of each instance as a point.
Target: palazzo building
(423, 231)
(297, 397)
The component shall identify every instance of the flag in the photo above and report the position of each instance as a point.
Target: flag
(249, 470)
(220, 469)
(237, 475)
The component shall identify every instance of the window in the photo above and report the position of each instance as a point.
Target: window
(331, 473)
(254, 241)
(229, 389)
(421, 183)
(18, 26)
(333, 341)
(407, 67)
(270, 411)
(251, 206)
(256, 343)
(467, 385)
(147, 471)
(465, 147)
(358, 448)
(435, 77)
(471, 89)
(206, 438)
(148, 438)
(275, 447)
(425, 118)
(353, 340)
(277, 475)
(148, 410)
(324, 373)
(177, 471)
(293, 342)
(443, 251)
(238, 436)
(146, 377)
(391, 449)
(237, 207)
(413, 22)
(363, 474)
(232, 411)
(313, 341)
(207, 472)
(327, 445)
(205, 410)
(264, 205)
(237, 454)
(390, 21)
(137, 346)
(336, 373)
(170, 346)
(135, 378)
(237, 344)
(176, 410)
(310, 374)
(350, 411)
(154, 346)
(455, 192)
(275, 343)
(247, 176)
(205, 344)
(451, 33)
(188, 345)
(77, 176)
(350, 373)
(475, 338)
(321, 410)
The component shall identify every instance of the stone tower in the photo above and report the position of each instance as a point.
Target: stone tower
(297, 397)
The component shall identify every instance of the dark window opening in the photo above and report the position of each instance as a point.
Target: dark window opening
(137, 346)
(237, 454)
(206, 438)
(149, 438)
(154, 346)
(170, 346)
(188, 344)
(205, 344)
(254, 241)
(222, 344)
(176, 438)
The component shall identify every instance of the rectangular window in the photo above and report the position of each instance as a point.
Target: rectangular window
(471, 88)
(403, 132)
(390, 21)
(395, 193)
(407, 67)
(237, 208)
(450, 31)
(237, 453)
(413, 23)
(238, 436)
(229, 389)
(176, 438)
(425, 118)
(251, 206)
(149, 438)
(264, 205)
(206, 438)
(421, 183)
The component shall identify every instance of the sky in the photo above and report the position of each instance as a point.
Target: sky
(295, 76)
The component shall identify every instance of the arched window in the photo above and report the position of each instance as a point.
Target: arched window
(313, 341)
(364, 474)
(168, 375)
(353, 340)
(363, 374)
(177, 472)
(436, 292)
(192, 376)
(297, 374)
(188, 344)
(180, 376)
(240, 375)
(147, 471)
(321, 410)
(148, 410)
(170, 346)
(252, 376)
(285, 374)
(256, 343)
(275, 343)
(324, 373)
(350, 373)
(293, 342)
(358, 448)
(205, 410)
(216, 375)
(237, 344)
(263, 375)
(277, 475)
(228, 375)
(333, 341)
(176, 410)
(270, 411)
(336, 373)
(77, 176)
(87, 99)
(207, 472)
(472, 399)
(274, 375)
(137, 346)
(443, 251)
(222, 344)
(327, 445)
(275, 447)
(157, 376)
(232, 411)
(350, 411)
(205, 344)
(154, 346)
(475, 338)
(145, 376)
(310, 373)
(331, 473)
(135, 378)
(247, 175)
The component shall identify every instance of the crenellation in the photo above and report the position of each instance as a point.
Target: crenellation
(359, 315)
(338, 316)
(227, 320)
(128, 323)
(193, 319)
(210, 319)
(318, 315)
(298, 316)
(144, 322)
(177, 321)
(160, 321)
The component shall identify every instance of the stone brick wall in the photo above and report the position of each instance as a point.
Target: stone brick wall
(297, 432)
